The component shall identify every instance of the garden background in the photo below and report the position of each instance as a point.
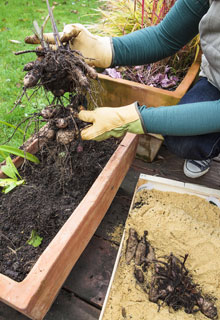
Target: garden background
(16, 22)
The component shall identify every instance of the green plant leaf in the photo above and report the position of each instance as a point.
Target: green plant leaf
(20, 153)
(35, 240)
(11, 125)
(3, 154)
(9, 184)
(9, 169)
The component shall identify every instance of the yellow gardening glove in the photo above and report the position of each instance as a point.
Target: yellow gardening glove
(96, 50)
(111, 122)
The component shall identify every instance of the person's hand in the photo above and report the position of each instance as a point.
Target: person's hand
(96, 50)
(111, 122)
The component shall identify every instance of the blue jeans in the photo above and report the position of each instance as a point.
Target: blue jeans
(200, 147)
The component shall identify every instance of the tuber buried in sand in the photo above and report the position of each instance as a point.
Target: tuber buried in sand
(166, 280)
(132, 243)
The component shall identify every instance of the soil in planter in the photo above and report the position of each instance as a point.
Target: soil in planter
(52, 191)
(168, 232)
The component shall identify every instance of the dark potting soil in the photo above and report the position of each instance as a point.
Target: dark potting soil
(52, 191)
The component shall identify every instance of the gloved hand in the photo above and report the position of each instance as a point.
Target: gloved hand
(111, 122)
(96, 50)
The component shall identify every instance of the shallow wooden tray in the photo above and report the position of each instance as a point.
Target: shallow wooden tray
(152, 182)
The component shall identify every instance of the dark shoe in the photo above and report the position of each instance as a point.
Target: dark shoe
(196, 168)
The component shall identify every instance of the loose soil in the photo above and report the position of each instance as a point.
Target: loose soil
(52, 191)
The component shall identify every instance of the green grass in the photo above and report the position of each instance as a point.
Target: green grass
(16, 22)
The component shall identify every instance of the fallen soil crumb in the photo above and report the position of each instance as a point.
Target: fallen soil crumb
(176, 223)
(116, 234)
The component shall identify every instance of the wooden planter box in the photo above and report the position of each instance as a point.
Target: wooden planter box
(120, 92)
(35, 294)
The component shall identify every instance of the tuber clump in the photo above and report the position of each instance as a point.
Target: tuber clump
(64, 73)
(59, 71)
(166, 280)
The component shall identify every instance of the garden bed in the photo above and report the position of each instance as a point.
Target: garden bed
(52, 191)
(34, 295)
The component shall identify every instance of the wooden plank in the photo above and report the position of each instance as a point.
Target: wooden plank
(90, 276)
(65, 307)
(69, 307)
(169, 166)
(7, 313)
(112, 276)
(129, 183)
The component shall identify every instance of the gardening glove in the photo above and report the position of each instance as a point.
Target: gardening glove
(111, 122)
(96, 50)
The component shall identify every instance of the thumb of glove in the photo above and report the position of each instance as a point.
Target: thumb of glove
(86, 116)
(96, 128)
(71, 31)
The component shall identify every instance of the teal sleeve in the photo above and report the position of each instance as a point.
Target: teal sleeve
(154, 43)
(182, 120)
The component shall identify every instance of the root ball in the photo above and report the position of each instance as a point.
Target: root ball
(60, 71)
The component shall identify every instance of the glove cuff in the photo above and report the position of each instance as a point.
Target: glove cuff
(104, 53)
(137, 106)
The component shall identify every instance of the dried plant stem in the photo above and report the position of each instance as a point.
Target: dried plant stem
(55, 31)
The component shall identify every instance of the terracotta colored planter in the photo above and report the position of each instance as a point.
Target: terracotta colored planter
(120, 92)
(35, 294)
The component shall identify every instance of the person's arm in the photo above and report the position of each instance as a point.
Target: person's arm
(140, 47)
(182, 120)
(151, 44)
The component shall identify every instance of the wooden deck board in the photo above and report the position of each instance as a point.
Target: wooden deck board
(69, 307)
(65, 307)
(83, 293)
(169, 166)
(90, 277)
